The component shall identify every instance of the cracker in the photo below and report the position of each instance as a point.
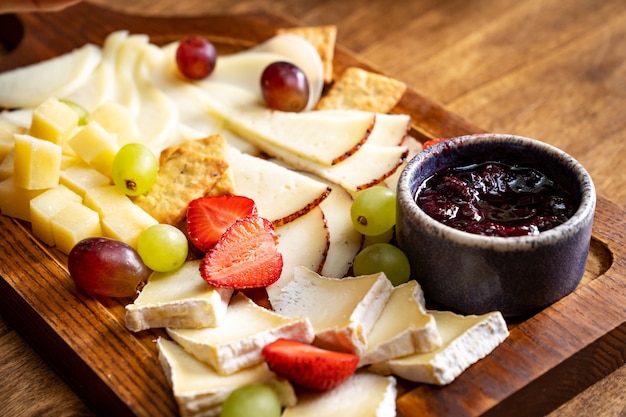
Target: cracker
(323, 38)
(358, 89)
(193, 169)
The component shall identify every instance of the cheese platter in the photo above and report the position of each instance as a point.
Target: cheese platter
(117, 373)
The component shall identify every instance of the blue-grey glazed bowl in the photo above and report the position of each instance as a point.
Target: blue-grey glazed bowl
(475, 274)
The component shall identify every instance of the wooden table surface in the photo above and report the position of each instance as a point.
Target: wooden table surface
(547, 69)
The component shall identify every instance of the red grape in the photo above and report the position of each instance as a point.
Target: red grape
(285, 87)
(196, 57)
(107, 267)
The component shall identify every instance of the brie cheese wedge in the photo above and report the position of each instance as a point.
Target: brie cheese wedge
(342, 310)
(466, 339)
(237, 342)
(178, 299)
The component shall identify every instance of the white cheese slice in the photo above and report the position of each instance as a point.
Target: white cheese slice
(199, 390)
(315, 135)
(362, 395)
(403, 328)
(237, 342)
(281, 195)
(342, 310)
(466, 339)
(177, 299)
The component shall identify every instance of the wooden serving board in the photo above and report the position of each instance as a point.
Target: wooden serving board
(548, 358)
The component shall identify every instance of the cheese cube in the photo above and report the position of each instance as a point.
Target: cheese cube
(15, 201)
(45, 206)
(342, 310)
(36, 164)
(127, 224)
(200, 391)
(72, 224)
(6, 166)
(177, 299)
(237, 342)
(466, 339)
(95, 146)
(81, 177)
(107, 200)
(53, 121)
(115, 118)
(7, 141)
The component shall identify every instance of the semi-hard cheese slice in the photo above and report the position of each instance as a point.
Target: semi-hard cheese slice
(342, 310)
(237, 342)
(403, 328)
(362, 395)
(200, 391)
(466, 339)
(178, 299)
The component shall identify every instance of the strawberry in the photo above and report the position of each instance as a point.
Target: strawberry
(209, 217)
(245, 256)
(309, 366)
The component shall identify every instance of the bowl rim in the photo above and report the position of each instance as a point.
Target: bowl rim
(579, 219)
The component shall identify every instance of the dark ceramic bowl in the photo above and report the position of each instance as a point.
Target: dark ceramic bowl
(475, 274)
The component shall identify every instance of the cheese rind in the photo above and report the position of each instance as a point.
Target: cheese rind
(238, 340)
(466, 339)
(342, 310)
(177, 299)
(403, 328)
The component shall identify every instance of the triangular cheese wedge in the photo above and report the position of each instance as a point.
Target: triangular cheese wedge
(177, 299)
(403, 328)
(237, 342)
(466, 339)
(342, 310)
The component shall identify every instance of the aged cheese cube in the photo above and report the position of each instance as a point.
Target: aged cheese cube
(36, 164)
(115, 118)
(6, 166)
(96, 146)
(127, 224)
(81, 177)
(7, 141)
(107, 200)
(53, 121)
(74, 223)
(45, 206)
(15, 201)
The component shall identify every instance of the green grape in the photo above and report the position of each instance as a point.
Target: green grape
(373, 211)
(258, 400)
(82, 112)
(163, 247)
(134, 169)
(385, 237)
(383, 257)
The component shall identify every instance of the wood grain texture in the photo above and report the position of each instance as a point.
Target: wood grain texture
(538, 68)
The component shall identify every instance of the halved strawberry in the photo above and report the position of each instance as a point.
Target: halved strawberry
(245, 256)
(309, 366)
(209, 217)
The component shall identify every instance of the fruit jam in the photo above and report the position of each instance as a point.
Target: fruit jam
(495, 199)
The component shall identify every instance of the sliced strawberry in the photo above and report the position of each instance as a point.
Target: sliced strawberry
(209, 217)
(309, 366)
(245, 256)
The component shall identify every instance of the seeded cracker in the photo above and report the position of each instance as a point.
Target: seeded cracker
(193, 169)
(358, 89)
(323, 39)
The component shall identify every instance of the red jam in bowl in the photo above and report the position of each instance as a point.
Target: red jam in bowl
(495, 199)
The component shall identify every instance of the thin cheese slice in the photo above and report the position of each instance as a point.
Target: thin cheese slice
(199, 390)
(342, 310)
(362, 395)
(178, 299)
(237, 342)
(403, 328)
(466, 339)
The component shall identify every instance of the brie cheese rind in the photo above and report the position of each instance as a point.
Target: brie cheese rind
(403, 328)
(178, 299)
(362, 395)
(200, 391)
(466, 339)
(237, 342)
(342, 310)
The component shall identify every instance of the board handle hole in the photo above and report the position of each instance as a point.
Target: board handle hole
(11, 33)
